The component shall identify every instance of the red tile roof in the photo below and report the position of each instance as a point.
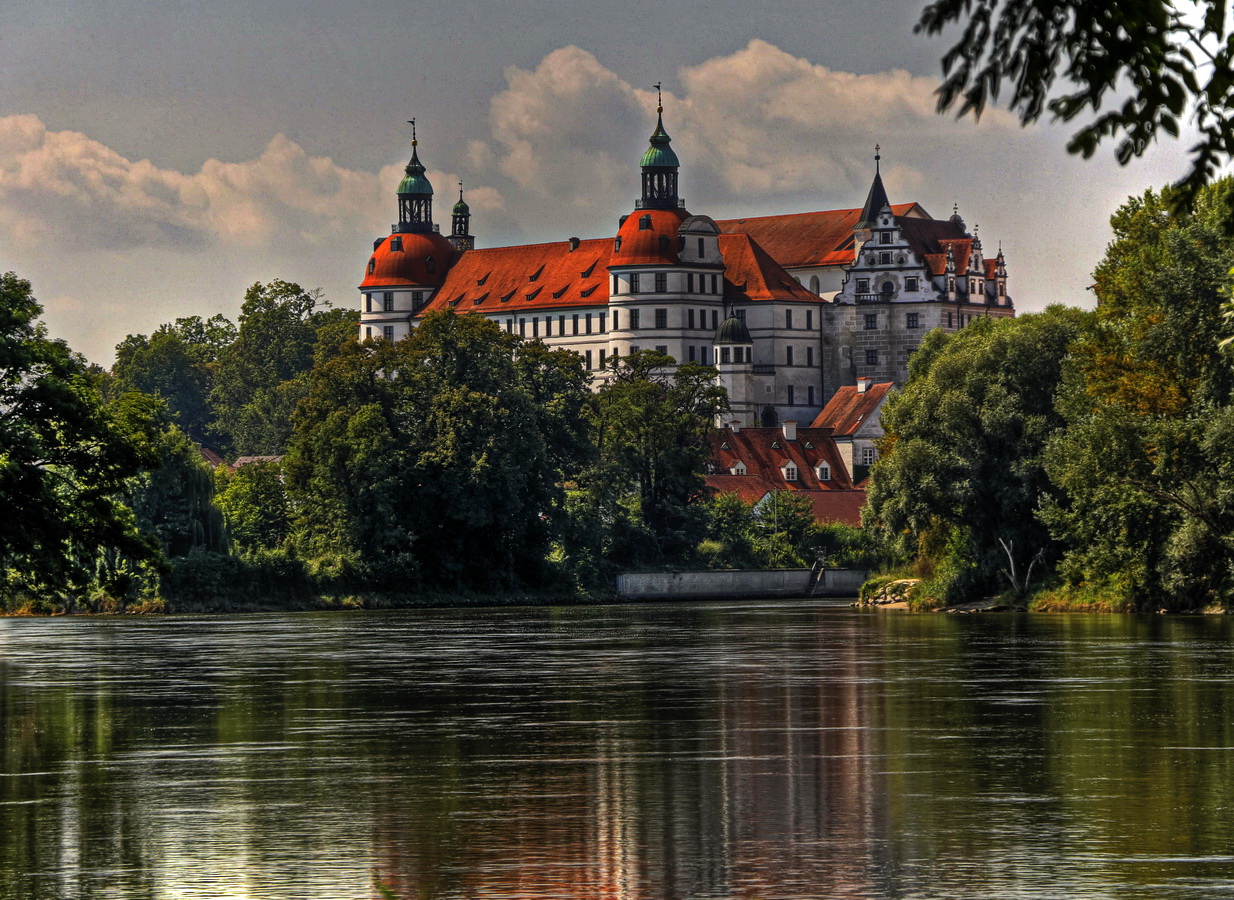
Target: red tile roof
(849, 409)
(838, 506)
(809, 239)
(751, 273)
(409, 266)
(765, 450)
(532, 276)
(653, 245)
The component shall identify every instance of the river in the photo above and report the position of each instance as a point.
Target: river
(715, 750)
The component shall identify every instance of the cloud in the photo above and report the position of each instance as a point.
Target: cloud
(57, 183)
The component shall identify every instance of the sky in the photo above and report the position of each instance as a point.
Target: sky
(158, 157)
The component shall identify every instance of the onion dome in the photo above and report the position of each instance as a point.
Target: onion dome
(733, 331)
(660, 154)
(659, 168)
(648, 237)
(415, 181)
(415, 194)
(416, 259)
(461, 208)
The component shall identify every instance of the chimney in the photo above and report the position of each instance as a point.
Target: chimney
(573, 244)
(863, 385)
(790, 429)
(735, 426)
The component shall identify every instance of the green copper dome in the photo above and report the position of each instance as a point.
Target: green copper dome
(660, 155)
(414, 181)
(461, 208)
(733, 331)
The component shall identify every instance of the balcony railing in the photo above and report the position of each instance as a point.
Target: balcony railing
(874, 298)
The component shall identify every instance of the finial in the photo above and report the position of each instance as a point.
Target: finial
(412, 123)
(460, 190)
(877, 157)
(955, 209)
(659, 97)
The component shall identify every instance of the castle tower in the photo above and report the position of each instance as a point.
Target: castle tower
(460, 224)
(660, 167)
(415, 195)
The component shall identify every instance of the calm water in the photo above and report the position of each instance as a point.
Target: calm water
(775, 750)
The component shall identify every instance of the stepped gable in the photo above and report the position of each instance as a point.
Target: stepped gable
(812, 238)
(849, 409)
(764, 451)
(531, 277)
(752, 274)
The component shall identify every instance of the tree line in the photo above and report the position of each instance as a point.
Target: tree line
(462, 461)
(1079, 459)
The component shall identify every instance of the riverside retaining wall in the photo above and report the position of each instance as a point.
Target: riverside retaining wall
(721, 583)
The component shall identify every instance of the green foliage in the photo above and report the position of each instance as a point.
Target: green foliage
(255, 506)
(649, 427)
(1147, 457)
(962, 470)
(1168, 63)
(64, 462)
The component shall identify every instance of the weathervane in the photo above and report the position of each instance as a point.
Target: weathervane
(877, 157)
(412, 123)
(659, 98)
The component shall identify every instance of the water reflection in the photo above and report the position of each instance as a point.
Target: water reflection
(711, 751)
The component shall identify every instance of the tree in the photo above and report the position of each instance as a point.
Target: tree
(437, 446)
(1145, 461)
(255, 506)
(64, 462)
(649, 425)
(1169, 63)
(263, 374)
(962, 471)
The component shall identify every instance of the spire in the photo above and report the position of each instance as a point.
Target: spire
(415, 193)
(460, 222)
(877, 198)
(660, 165)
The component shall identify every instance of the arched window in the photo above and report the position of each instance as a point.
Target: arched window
(814, 284)
(372, 264)
(888, 287)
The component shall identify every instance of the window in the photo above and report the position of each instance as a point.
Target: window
(740, 314)
(738, 468)
(725, 355)
(603, 322)
(634, 283)
(810, 358)
(888, 287)
(823, 471)
(689, 318)
(634, 348)
(616, 327)
(810, 318)
(662, 348)
(602, 354)
(368, 332)
(617, 245)
(715, 318)
(715, 282)
(884, 237)
(588, 323)
(417, 298)
(372, 264)
(368, 302)
(387, 301)
(948, 320)
(616, 286)
(788, 319)
(689, 282)
(396, 243)
(430, 264)
(951, 285)
(535, 326)
(1002, 289)
(661, 318)
(790, 470)
(702, 354)
(868, 456)
(911, 320)
(644, 223)
(634, 320)
(561, 326)
(661, 282)
(587, 356)
(522, 328)
(871, 321)
(910, 284)
(510, 326)
(791, 401)
(663, 243)
(701, 254)
(810, 395)
(388, 332)
(691, 352)
(788, 356)
(574, 323)
(884, 259)
(863, 285)
(871, 357)
(548, 326)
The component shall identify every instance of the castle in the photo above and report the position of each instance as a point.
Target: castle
(789, 308)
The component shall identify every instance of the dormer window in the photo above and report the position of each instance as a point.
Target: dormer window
(823, 471)
(372, 264)
(396, 243)
(790, 471)
(737, 468)
(664, 243)
(644, 223)
(617, 245)
(430, 264)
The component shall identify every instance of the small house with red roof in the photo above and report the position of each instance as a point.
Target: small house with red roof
(755, 463)
(853, 418)
(789, 308)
